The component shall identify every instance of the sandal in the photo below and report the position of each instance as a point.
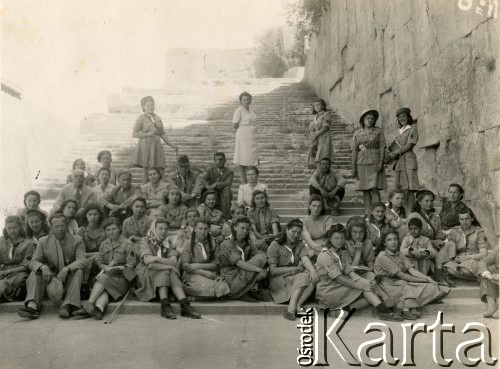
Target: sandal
(390, 317)
(288, 315)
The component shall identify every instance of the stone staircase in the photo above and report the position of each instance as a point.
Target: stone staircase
(200, 128)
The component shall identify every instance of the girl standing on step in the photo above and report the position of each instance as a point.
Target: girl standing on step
(319, 134)
(368, 145)
(400, 280)
(199, 265)
(158, 271)
(116, 261)
(15, 254)
(242, 265)
(293, 276)
(265, 220)
(339, 285)
(149, 130)
(245, 125)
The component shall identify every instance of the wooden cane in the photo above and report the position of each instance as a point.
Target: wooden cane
(113, 315)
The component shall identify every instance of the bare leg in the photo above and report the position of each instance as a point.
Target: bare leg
(97, 291)
(294, 299)
(492, 306)
(305, 295)
(163, 292)
(179, 293)
(102, 301)
(367, 200)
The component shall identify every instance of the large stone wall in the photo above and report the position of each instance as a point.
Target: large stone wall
(435, 58)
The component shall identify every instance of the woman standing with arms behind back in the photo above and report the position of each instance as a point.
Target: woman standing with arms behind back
(319, 134)
(245, 124)
(149, 130)
(368, 145)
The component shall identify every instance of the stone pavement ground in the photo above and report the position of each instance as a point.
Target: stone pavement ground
(216, 341)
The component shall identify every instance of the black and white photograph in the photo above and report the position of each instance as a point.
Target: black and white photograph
(255, 184)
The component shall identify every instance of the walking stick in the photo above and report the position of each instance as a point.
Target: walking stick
(113, 315)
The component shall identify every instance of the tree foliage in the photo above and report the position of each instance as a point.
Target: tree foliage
(269, 58)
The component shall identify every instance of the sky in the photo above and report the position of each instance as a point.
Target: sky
(67, 56)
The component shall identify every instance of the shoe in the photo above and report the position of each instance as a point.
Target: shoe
(28, 312)
(188, 312)
(89, 308)
(98, 314)
(408, 316)
(415, 312)
(261, 295)
(167, 312)
(80, 314)
(288, 315)
(65, 311)
(390, 317)
(448, 280)
(248, 298)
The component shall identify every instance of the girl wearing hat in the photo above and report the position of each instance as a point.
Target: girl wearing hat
(15, 254)
(368, 145)
(149, 130)
(406, 169)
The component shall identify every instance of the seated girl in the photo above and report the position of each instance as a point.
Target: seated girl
(265, 220)
(376, 223)
(208, 211)
(199, 266)
(339, 285)
(104, 157)
(395, 213)
(242, 264)
(32, 201)
(418, 249)
(237, 211)
(400, 280)
(116, 262)
(423, 209)
(104, 188)
(153, 191)
(37, 225)
(16, 252)
(316, 225)
(89, 178)
(136, 226)
(173, 211)
(246, 190)
(293, 276)
(69, 209)
(359, 247)
(186, 230)
(157, 271)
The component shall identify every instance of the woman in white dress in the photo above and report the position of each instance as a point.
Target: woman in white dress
(245, 124)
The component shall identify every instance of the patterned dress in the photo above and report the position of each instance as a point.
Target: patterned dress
(324, 147)
(368, 144)
(282, 286)
(149, 151)
(12, 287)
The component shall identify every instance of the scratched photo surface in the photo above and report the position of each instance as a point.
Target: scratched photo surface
(341, 155)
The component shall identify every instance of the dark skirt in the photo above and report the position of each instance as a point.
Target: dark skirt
(115, 286)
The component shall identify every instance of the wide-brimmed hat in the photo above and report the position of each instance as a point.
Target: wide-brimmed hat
(403, 110)
(55, 290)
(368, 111)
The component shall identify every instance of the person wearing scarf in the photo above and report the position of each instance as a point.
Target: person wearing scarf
(15, 254)
(157, 271)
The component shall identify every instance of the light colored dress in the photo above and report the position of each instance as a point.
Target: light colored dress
(406, 168)
(368, 143)
(282, 286)
(149, 152)
(324, 148)
(245, 148)
(245, 192)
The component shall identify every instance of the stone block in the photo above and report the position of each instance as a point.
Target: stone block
(413, 91)
(488, 216)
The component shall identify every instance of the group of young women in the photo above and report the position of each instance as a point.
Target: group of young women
(397, 258)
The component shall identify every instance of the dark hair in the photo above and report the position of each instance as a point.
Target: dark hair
(103, 169)
(335, 228)
(141, 199)
(370, 218)
(161, 220)
(157, 170)
(145, 99)
(210, 192)
(103, 152)
(323, 103)
(252, 168)
(316, 198)
(260, 192)
(167, 192)
(327, 159)
(245, 93)
(415, 222)
(14, 219)
(356, 222)
(459, 188)
(239, 220)
(110, 221)
(65, 203)
(43, 219)
(402, 210)
(219, 153)
(76, 161)
(408, 115)
(466, 210)
(293, 223)
(362, 121)
(236, 207)
(58, 215)
(34, 193)
(209, 238)
(420, 195)
(89, 207)
(381, 245)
